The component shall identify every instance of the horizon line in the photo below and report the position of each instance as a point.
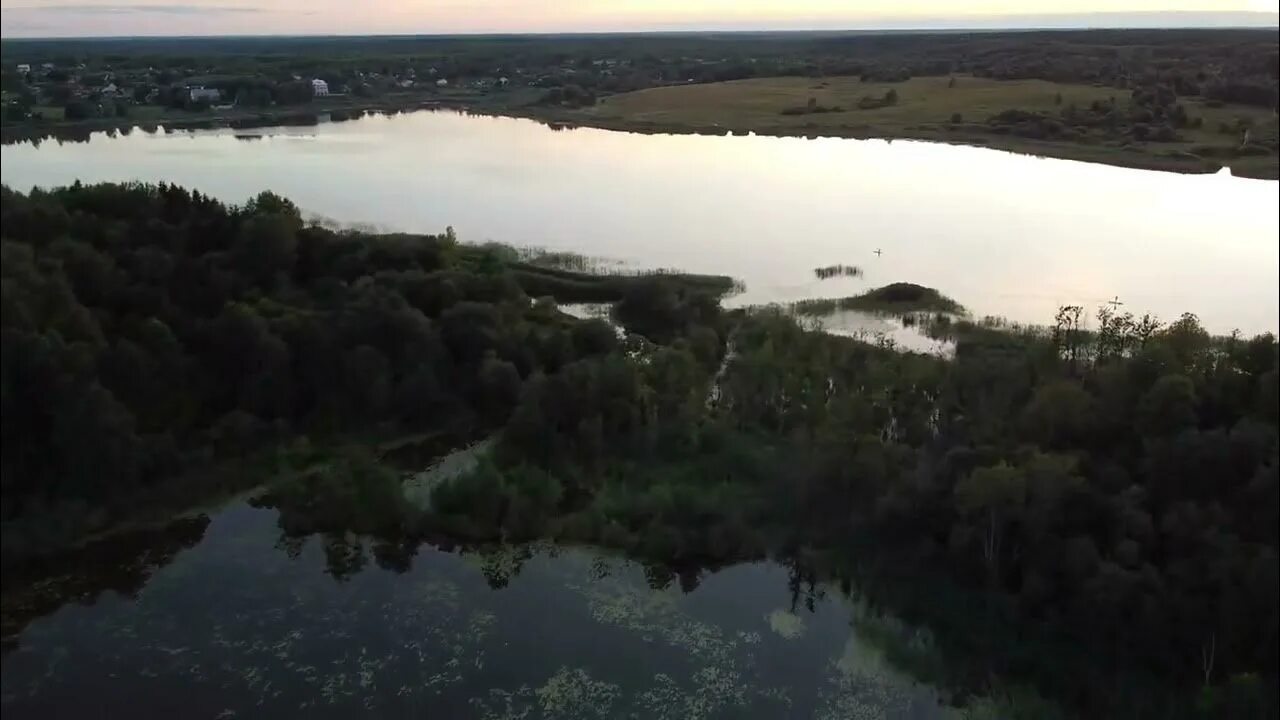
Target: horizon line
(923, 30)
(1157, 20)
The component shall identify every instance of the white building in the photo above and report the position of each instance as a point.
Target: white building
(442, 83)
(198, 93)
(319, 87)
(24, 68)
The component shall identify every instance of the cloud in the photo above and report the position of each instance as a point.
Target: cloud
(138, 9)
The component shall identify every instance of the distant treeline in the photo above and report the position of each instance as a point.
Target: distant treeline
(1229, 65)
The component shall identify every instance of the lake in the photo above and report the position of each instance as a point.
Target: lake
(1004, 234)
(223, 616)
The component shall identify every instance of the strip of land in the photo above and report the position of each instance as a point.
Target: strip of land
(1039, 117)
(1180, 100)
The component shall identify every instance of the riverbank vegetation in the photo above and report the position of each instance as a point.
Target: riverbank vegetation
(1089, 510)
(151, 333)
(900, 298)
(837, 271)
(1103, 504)
(1154, 127)
(1188, 100)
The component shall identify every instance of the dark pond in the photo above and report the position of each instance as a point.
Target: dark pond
(222, 617)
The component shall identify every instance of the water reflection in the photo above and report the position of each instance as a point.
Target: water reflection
(231, 617)
(1004, 234)
(122, 564)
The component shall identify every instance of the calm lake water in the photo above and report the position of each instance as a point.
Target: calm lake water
(223, 617)
(1004, 234)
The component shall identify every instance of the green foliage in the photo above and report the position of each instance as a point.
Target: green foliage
(149, 331)
(1168, 407)
(893, 298)
(1060, 414)
(348, 494)
(991, 490)
(1107, 495)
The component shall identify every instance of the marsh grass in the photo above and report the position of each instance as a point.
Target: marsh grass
(834, 271)
(896, 298)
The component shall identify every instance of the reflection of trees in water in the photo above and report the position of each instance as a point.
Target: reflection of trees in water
(123, 563)
(802, 582)
(395, 555)
(501, 563)
(344, 557)
(659, 576)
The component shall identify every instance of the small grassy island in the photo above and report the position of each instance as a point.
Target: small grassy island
(1081, 515)
(895, 298)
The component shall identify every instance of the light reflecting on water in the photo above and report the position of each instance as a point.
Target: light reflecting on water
(1004, 234)
(238, 621)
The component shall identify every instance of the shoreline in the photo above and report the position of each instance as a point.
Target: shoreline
(970, 135)
(1261, 168)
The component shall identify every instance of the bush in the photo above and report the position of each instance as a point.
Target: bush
(79, 110)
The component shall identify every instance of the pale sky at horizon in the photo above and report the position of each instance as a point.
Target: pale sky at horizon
(45, 18)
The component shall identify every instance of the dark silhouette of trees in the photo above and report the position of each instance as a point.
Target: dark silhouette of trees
(1089, 511)
(149, 331)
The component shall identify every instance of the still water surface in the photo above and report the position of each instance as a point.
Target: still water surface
(224, 617)
(1004, 234)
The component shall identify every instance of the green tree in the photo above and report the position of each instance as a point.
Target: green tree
(992, 496)
(1061, 414)
(1168, 407)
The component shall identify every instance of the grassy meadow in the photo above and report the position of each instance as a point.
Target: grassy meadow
(924, 109)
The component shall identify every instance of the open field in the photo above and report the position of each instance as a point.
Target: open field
(924, 110)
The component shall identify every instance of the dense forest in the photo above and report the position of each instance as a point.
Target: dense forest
(149, 331)
(1088, 511)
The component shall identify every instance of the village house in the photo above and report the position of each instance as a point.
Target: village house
(319, 87)
(200, 93)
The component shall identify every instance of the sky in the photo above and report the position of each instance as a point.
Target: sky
(66, 18)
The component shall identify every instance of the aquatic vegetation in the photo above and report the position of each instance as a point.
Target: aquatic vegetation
(787, 625)
(832, 271)
(846, 697)
(573, 694)
(500, 704)
(720, 658)
(894, 298)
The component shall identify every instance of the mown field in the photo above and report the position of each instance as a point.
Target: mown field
(924, 109)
